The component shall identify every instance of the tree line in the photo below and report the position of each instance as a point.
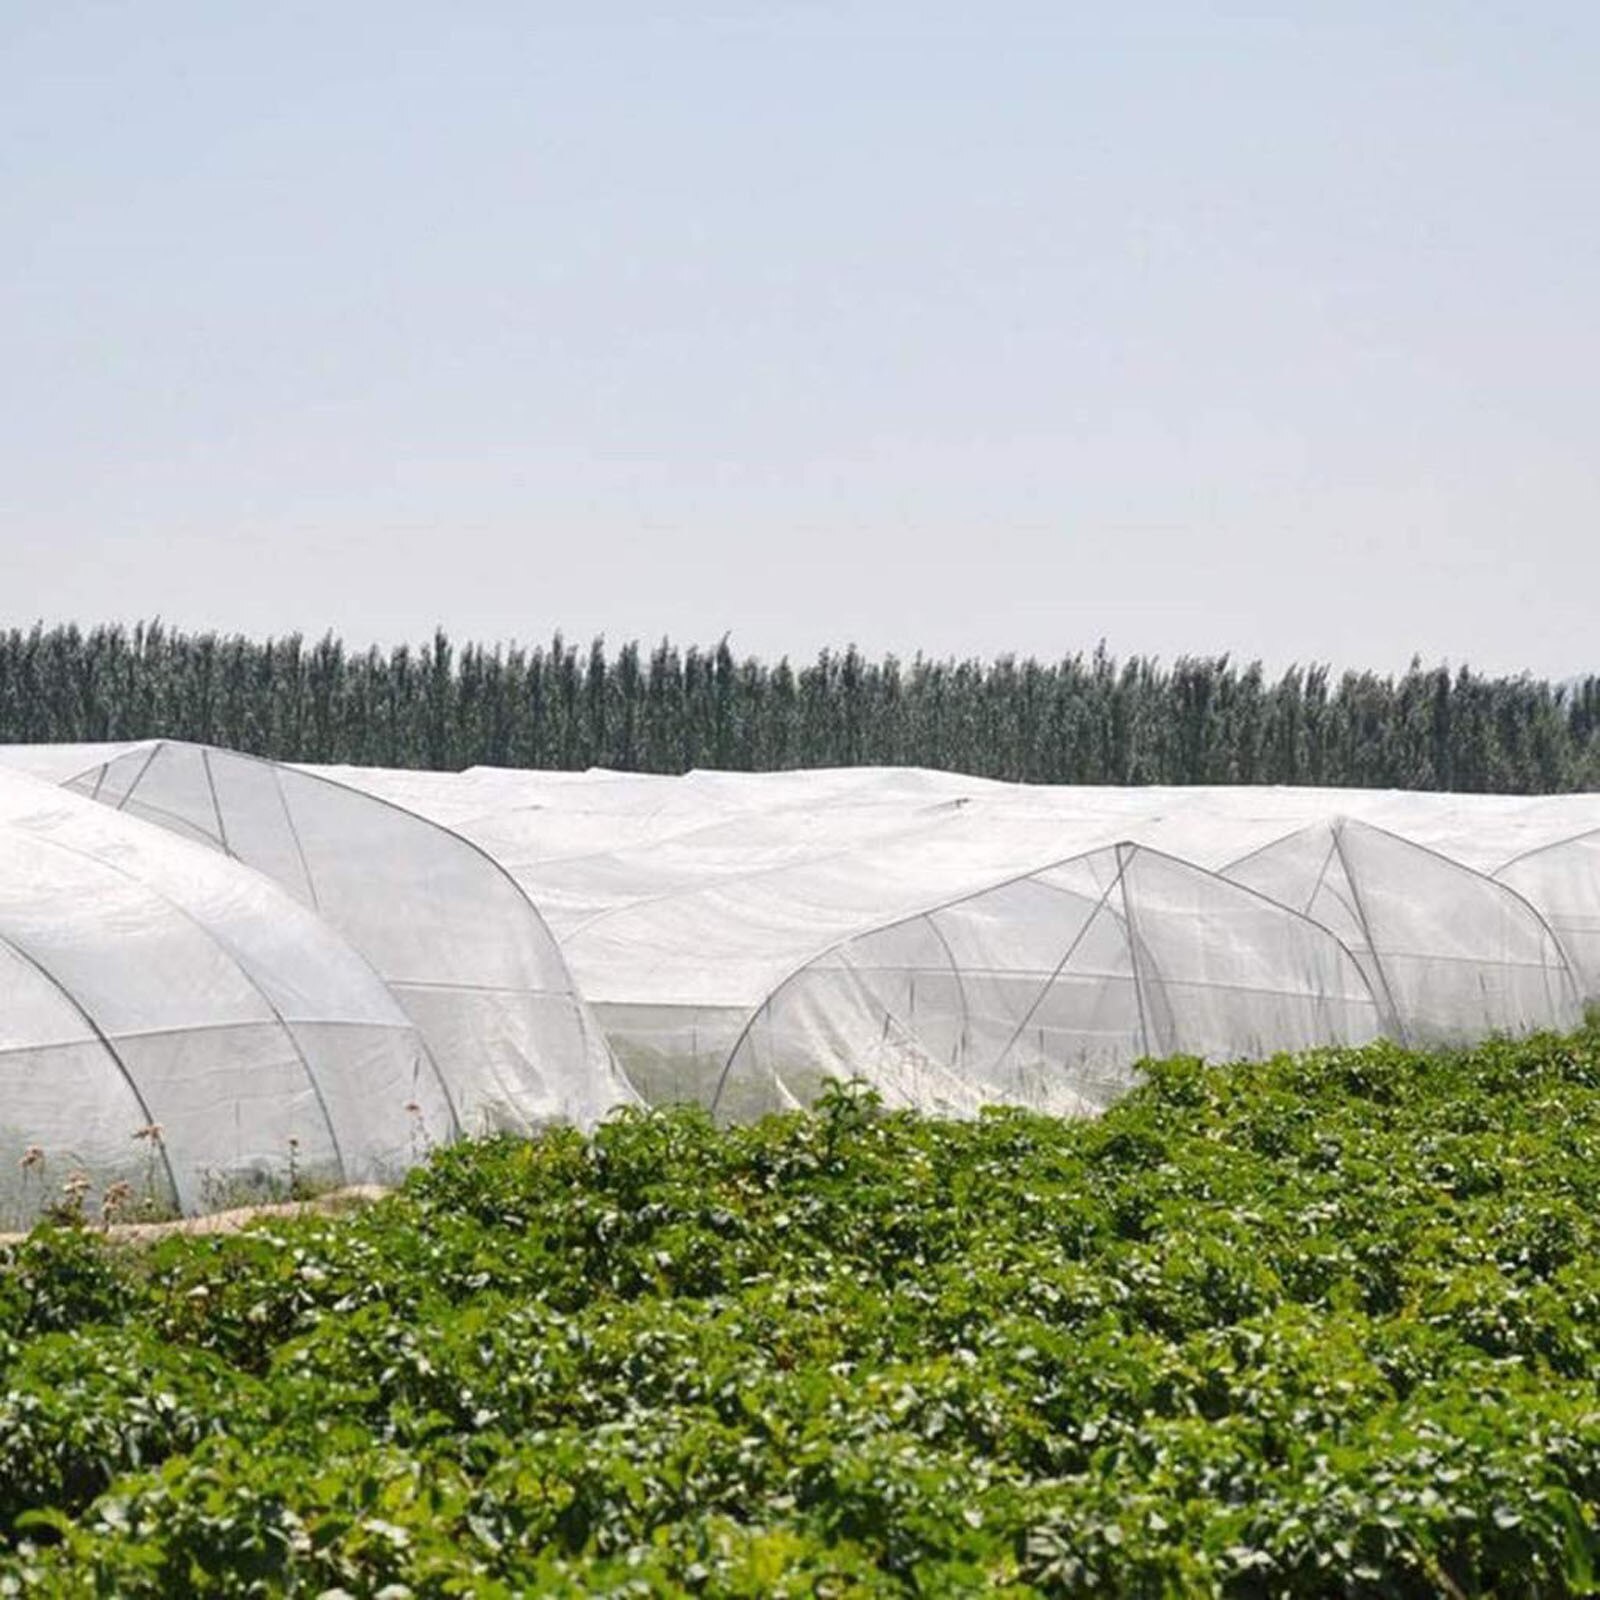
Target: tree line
(1087, 718)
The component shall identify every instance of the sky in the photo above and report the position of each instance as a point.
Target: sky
(960, 329)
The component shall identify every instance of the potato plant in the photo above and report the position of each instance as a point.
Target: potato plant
(1321, 1325)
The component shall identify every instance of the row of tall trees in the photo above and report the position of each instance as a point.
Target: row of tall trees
(1083, 719)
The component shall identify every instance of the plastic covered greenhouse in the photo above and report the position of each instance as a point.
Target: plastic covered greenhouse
(743, 937)
(290, 980)
(176, 1023)
(458, 943)
(355, 964)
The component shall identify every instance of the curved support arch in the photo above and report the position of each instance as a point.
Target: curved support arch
(1542, 849)
(1121, 882)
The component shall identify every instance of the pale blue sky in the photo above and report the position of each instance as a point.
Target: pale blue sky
(1263, 328)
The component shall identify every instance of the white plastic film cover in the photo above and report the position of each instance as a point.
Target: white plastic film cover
(683, 904)
(1452, 956)
(1046, 990)
(449, 931)
(742, 937)
(196, 1023)
(1563, 881)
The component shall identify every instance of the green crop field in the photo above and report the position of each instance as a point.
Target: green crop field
(1324, 1325)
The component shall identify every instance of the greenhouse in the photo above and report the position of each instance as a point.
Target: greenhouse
(176, 1023)
(451, 935)
(1437, 942)
(354, 964)
(743, 936)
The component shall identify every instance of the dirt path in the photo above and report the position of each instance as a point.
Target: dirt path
(331, 1204)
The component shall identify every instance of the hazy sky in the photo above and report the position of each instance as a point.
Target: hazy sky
(968, 328)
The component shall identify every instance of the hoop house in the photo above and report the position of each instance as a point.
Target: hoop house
(1044, 991)
(1450, 954)
(151, 985)
(690, 906)
(739, 937)
(457, 942)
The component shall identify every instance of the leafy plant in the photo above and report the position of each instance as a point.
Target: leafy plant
(1320, 1325)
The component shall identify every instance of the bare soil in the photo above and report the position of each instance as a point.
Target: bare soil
(332, 1203)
